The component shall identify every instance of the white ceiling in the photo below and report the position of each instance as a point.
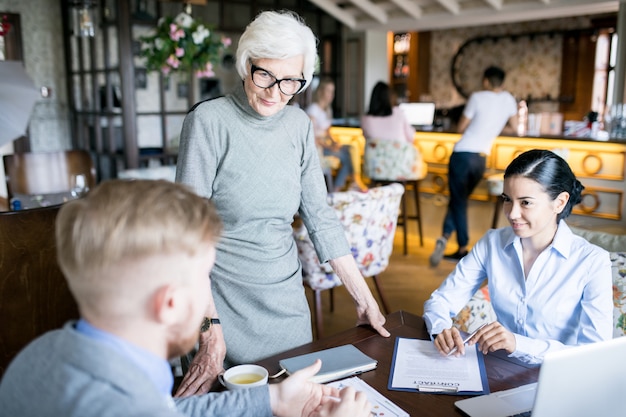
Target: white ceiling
(422, 15)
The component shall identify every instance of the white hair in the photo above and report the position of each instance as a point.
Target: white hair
(277, 35)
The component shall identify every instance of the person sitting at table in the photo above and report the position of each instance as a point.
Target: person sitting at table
(549, 288)
(320, 112)
(137, 256)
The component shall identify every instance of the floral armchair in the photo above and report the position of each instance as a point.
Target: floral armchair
(386, 162)
(391, 160)
(476, 312)
(618, 261)
(370, 220)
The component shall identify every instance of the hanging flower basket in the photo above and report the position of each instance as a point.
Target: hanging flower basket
(5, 26)
(183, 44)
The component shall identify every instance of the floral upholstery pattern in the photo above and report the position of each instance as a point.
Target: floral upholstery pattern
(391, 160)
(476, 312)
(479, 310)
(618, 266)
(369, 219)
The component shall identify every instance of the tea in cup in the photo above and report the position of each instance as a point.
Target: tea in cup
(244, 376)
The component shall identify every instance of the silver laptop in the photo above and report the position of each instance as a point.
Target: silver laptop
(419, 114)
(583, 381)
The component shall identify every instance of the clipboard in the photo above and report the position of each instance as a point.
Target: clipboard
(432, 387)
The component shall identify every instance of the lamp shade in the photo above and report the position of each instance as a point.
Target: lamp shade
(18, 95)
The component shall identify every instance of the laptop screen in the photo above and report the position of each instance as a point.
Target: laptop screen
(419, 114)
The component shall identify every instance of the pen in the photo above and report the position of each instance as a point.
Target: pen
(467, 339)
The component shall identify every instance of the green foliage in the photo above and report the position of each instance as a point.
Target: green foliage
(183, 44)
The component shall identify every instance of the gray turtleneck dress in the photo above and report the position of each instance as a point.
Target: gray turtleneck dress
(259, 172)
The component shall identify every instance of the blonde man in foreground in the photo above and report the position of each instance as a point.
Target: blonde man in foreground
(137, 257)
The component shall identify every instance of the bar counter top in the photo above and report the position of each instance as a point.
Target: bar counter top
(353, 123)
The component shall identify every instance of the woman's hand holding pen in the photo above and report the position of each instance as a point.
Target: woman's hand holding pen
(490, 337)
(494, 337)
(448, 340)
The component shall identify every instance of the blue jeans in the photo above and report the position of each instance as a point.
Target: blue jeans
(346, 164)
(465, 170)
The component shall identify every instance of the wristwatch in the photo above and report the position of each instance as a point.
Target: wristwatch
(207, 323)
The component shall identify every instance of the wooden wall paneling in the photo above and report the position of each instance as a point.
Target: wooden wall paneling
(576, 72)
(422, 92)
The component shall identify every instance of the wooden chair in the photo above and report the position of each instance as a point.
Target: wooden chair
(388, 162)
(47, 172)
(369, 220)
(34, 296)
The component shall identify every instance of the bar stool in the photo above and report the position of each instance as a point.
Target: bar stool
(495, 185)
(388, 162)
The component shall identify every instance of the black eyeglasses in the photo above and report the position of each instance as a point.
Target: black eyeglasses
(265, 79)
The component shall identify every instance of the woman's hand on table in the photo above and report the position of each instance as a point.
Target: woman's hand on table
(367, 309)
(206, 365)
(371, 315)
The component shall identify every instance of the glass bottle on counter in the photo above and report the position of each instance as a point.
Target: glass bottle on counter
(522, 118)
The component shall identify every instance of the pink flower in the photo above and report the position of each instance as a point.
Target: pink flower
(172, 61)
(226, 42)
(166, 69)
(367, 259)
(176, 33)
(207, 72)
(180, 52)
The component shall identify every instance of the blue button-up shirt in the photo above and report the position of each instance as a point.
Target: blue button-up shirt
(566, 298)
(157, 369)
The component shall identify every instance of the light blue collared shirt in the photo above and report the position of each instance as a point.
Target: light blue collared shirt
(157, 369)
(566, 299)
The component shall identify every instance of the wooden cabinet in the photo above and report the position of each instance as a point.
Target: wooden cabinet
(409, 62)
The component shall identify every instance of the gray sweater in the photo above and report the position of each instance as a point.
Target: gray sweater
(259, 171)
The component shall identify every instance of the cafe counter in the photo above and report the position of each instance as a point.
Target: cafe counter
(599, 165)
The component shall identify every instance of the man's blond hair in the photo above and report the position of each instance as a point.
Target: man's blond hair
(120, 223)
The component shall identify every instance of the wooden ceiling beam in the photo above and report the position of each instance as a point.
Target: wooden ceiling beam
(409, 7)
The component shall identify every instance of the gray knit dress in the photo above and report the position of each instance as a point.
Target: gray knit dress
(259, 172)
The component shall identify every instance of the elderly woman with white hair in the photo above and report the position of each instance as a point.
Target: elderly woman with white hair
(255, 158)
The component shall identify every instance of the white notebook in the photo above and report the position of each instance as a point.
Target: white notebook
(338, 362)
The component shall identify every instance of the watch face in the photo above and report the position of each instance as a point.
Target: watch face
(206, 324)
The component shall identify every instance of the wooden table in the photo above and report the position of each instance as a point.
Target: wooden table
(502, 373)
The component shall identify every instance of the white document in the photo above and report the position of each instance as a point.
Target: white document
(381, 406)
(418, 365)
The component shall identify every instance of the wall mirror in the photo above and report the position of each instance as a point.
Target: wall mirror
(531, 61)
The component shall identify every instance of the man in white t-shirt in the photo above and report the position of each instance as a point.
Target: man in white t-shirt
(487, 114)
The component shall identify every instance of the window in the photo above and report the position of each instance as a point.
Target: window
(604, 71)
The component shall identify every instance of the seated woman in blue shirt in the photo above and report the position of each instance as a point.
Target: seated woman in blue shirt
(549, 288)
